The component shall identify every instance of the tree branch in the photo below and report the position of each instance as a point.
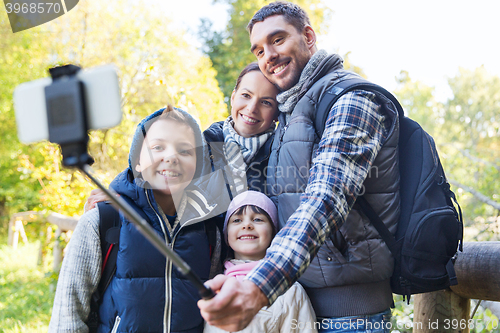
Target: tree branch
(466, 153)
(477, 194)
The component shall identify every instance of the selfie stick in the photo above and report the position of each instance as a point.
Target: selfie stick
(148, 232)
(75, 154)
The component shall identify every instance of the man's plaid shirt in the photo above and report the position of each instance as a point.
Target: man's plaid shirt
(354, 133)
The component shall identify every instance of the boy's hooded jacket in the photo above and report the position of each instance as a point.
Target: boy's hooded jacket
(147, 294)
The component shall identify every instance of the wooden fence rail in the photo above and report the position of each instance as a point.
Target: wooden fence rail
(477, 268)
(64, 223)
(478, 274)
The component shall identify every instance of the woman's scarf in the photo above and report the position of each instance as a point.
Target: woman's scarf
(240, 151)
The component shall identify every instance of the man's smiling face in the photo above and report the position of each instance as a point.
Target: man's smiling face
(281, 50)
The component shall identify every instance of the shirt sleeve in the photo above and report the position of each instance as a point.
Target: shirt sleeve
(79, 276)
(354, 133)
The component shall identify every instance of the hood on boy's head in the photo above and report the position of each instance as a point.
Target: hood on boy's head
(143, 127)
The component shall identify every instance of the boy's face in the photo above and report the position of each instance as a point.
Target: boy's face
(249, 235)
(253, 105)
(168, 157)
(282, 52)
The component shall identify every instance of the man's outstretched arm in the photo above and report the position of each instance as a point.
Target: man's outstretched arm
(354, 133)
(235, 304)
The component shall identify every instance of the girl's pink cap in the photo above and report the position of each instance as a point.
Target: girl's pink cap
(256, 199)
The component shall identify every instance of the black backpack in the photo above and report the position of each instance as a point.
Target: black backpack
(430, 230)
(109, 231)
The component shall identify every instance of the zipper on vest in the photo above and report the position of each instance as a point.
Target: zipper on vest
(167, 315)
(282, 134)
(168, 272)
(292, 121)
(117, 323)
(168, 291)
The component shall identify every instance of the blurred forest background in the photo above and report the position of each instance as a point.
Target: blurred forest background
(158, 66)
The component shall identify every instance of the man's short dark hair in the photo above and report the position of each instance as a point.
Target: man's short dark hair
(292, 13)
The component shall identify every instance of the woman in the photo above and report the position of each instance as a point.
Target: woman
(239, 147)
(240, 144)
(243, 140)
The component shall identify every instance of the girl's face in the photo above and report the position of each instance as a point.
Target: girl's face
(253, 105)
(249, 234)
(168, 157)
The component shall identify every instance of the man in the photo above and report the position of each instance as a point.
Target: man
(315, 178)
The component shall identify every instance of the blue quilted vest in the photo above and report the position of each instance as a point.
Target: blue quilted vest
(147, 294)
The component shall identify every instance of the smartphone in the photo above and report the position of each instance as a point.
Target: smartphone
(101, 95)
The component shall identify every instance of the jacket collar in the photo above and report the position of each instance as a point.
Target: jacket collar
(196, 208)
(318, 66)
(214, 132)
(329, 64)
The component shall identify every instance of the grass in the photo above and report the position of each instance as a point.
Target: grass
(26, 290)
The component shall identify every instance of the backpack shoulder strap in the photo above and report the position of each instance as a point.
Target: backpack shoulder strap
(377, 222)
(332, 95)
(329, 98)
(211, 231)
(109, 233)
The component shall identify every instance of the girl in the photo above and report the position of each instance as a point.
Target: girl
(146, 294)
(250, 224)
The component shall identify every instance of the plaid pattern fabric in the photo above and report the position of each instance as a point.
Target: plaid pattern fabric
(354, 134)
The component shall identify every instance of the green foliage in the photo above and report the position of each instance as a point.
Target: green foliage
(473, 111)
(229, 50)
(348, 65)
(472, 123)
(466, 130)
(19, 191)
(418, 102)
(485, 321)
(26, 292)
(472, 119)
(156, 67)
(402, 315)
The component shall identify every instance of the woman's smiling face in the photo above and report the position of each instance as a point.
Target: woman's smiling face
(253, 105)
